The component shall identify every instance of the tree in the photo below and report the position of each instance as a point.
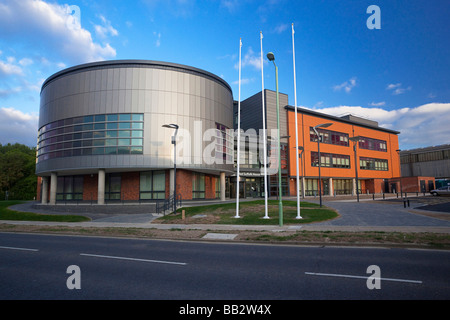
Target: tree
(17, 172)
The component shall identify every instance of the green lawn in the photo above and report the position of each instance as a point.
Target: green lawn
(252, 213)
(8, 214)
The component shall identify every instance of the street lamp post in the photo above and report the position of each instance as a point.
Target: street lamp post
(324, 125)
(271, 57)
(401, 187)
(356, 140)
(174, 142)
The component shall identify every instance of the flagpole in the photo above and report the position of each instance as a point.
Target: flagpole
(239, 133)
(296, 127)
(266, 215)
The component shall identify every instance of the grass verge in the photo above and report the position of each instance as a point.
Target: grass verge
(252, 213)
(8, 214)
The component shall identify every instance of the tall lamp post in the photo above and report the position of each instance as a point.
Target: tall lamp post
(271, 57)
(324, 125)
(356, 140)
(401, 187)
(174, 142)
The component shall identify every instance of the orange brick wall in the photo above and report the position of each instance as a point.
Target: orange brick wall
(306, 121)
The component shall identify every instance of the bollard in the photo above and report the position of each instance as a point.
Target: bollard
(182, 215)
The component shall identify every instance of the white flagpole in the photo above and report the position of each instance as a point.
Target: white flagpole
(266, 215)
(239, 133)
(296, 128)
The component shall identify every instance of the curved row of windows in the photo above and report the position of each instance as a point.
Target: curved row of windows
(92, 135)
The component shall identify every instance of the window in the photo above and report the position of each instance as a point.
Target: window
(69, 188)
(329, 137)
(112, 186)
(152, 185)
(372, 144)
(373, 164)
(198, 185)
(90, 130)
(224, 144)
(330, 160)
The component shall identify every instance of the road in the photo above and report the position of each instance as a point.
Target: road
(36, 267)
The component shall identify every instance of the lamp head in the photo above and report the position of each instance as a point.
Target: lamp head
(324, 125)
(271, 56)
(170, 126)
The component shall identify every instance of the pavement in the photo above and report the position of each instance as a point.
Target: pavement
(424, 214)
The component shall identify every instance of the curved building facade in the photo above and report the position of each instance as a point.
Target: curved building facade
(101, 134)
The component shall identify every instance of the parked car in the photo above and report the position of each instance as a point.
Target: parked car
(441, 191)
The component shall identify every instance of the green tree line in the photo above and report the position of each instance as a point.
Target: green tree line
(18, 180)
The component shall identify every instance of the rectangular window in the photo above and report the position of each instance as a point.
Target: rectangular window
(373, 164)
(372, 144)
(113, 186)
(329, 137)
(330, 160)
(152, 185)
(198, 185)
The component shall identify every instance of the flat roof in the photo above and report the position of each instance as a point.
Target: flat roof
(137, 64)
(339, 119)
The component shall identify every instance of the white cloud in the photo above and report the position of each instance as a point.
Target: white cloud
(18, 127)
(251, 59)
(397, 88)
(377, 104)
(106, 29)
(280, 28)
(9, 68)
(38, 22)
(421, 126)
(158, 38)
(347, 85)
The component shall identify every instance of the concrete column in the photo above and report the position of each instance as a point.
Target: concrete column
(354, 187)
(222, 186)
(101, 187)
(44, 189)
(53, 187)
(303, 182)
(331, 187)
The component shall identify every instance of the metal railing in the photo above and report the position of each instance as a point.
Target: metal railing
(169, 204)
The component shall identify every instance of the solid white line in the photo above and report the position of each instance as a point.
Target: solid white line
(132, 259)
(359, 277)
(23, 249)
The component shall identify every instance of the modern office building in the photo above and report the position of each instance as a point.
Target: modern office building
(101, 134)
(377, 159)
(103, 137)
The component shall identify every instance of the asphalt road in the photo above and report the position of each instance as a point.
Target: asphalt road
(36, 267)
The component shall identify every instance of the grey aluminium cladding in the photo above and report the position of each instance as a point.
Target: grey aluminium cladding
(162, 92)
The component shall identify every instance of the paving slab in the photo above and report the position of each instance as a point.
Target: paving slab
(220, 236)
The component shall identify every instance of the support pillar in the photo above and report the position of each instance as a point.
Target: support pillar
(44, 190)
(331, 187)
(303, 182)
(354, 186)
(222, 186)
(53, 187)
(101, 187)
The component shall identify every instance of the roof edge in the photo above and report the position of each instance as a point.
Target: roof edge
(334, 118)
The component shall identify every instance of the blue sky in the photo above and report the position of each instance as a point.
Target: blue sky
(397, 75)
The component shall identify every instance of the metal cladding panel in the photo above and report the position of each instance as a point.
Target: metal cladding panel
(165, 93)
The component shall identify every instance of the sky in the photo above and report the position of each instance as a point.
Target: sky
(396, 74)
